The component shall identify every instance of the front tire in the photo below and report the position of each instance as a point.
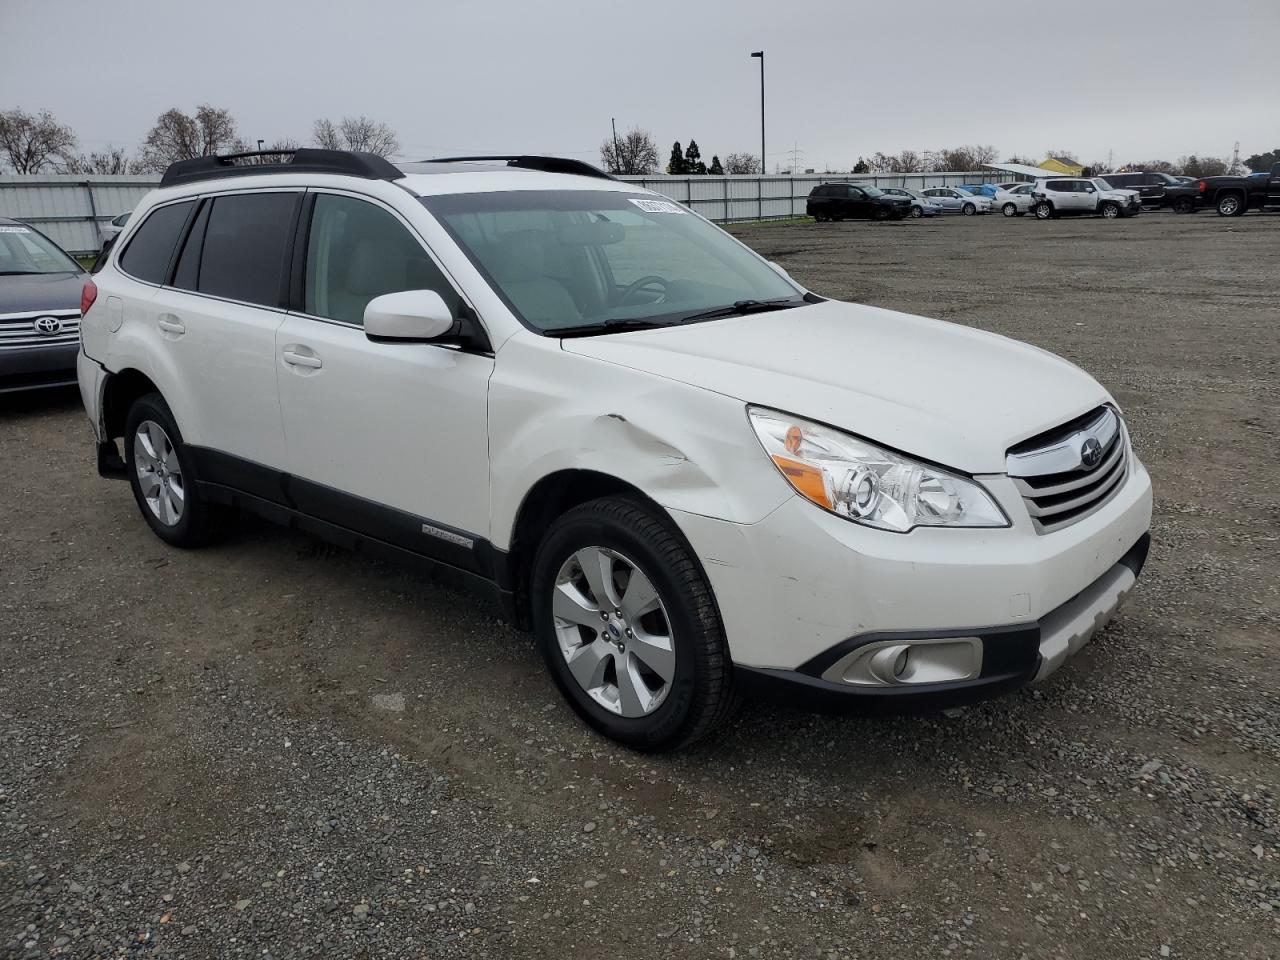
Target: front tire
(916, 211)
(1184, 205)
(968, 209)
(1043, 210)
(628, 626)
(1110, 210)
(162, 479)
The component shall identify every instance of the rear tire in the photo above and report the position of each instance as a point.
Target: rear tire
(1009, 210)
(1043, 210)
(1230, 205)
(633, 539)
(162, 479)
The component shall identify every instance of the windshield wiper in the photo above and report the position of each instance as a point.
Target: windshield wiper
(19, 273)
(741, 308)
(616, 325)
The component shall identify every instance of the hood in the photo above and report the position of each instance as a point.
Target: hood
(26, 293)
(936, 390)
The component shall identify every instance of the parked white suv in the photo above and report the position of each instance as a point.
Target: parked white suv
(1080, 196)
(691, 477)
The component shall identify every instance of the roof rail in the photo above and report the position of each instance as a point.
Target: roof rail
(348, 163)
(529, 162)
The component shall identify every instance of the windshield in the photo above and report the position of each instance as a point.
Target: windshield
(1102, 184)
(571, 258)
(23, 250)
(871, 191)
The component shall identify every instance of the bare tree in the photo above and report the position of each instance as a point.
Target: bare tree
(355, 133)
(111, 161)
(1194, 166)
(32, 142)
(634, 153)
(742, 164)
(180, 136)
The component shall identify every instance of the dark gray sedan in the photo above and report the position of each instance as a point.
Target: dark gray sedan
(40, 288)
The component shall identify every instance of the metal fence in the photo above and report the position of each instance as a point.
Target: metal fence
(71, 209)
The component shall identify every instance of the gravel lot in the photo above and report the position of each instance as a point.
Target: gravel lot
(272, 748)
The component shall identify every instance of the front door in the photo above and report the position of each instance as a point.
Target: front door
(388, 439)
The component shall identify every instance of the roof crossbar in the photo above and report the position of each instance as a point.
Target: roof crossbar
(530, 162)
(368, 166)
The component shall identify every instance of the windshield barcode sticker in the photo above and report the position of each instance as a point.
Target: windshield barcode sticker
(657, 206)
(14, 230)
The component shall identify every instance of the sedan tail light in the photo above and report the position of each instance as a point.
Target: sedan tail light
(87, 295)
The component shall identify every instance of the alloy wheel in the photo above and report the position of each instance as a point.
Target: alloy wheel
(159, 473)
(1009, 210)
(614, 632)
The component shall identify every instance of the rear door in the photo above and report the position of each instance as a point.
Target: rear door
(216, 321)
(388, 439)
(1273, 186)
(857, 204)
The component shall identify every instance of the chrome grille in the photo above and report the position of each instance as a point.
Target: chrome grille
(1069, 472)
(19, 329)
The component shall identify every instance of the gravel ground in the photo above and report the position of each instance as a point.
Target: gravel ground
(271, 748)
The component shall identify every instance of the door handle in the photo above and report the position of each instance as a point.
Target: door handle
(170, 324)
(295, 359)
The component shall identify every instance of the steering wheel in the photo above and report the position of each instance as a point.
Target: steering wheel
(644, 282)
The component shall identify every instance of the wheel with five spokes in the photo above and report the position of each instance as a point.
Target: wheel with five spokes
(161, 476)
(628, 626)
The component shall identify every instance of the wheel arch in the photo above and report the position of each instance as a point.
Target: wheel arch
(550, 498)
(119, 393)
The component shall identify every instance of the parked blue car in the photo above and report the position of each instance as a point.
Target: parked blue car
(987, 190)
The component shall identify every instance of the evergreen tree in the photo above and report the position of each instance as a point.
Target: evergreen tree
(716, 170)
(675, 166)
(693, 159)
(861, 166)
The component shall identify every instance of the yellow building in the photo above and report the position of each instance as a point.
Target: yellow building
(1062, 165)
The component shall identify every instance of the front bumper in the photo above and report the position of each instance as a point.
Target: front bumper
(31, 368)
(1010, 656)
(796, 586)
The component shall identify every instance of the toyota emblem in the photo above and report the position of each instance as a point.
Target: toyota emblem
(47, 325)
(1090, 452)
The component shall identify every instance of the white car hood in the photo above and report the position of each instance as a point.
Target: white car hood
(943, 392)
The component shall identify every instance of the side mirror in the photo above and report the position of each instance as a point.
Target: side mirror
(410, 315)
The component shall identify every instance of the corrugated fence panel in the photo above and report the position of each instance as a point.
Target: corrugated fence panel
(70, 208)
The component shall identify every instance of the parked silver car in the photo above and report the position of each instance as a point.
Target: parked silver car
(40, 287)
(955, 200)
(921, 206)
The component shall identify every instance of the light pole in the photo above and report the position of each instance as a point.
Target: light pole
(764, 169)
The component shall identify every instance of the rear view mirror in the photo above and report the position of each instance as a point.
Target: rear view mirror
(410, 315)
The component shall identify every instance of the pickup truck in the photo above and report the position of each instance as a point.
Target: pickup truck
(1230, 196)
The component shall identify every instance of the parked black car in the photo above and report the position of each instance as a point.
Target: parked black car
(1230, 196)
(40, 287)
(1152, 186)
(848, 201)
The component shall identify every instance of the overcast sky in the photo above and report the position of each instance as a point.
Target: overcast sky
(1143, 79)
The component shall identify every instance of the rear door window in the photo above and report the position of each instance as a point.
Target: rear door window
(151, 247)
(245, 247)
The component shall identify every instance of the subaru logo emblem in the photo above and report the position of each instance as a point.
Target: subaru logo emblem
(48, 325)
(1090, 452)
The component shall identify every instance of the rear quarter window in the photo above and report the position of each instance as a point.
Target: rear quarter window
(151, 247)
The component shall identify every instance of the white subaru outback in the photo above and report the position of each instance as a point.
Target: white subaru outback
(690, 477)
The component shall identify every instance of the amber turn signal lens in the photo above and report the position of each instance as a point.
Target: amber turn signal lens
(806, 479)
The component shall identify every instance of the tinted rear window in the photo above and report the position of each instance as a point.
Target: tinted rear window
(149, 251)
(245, 244)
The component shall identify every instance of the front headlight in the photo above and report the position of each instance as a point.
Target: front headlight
(867, 484)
